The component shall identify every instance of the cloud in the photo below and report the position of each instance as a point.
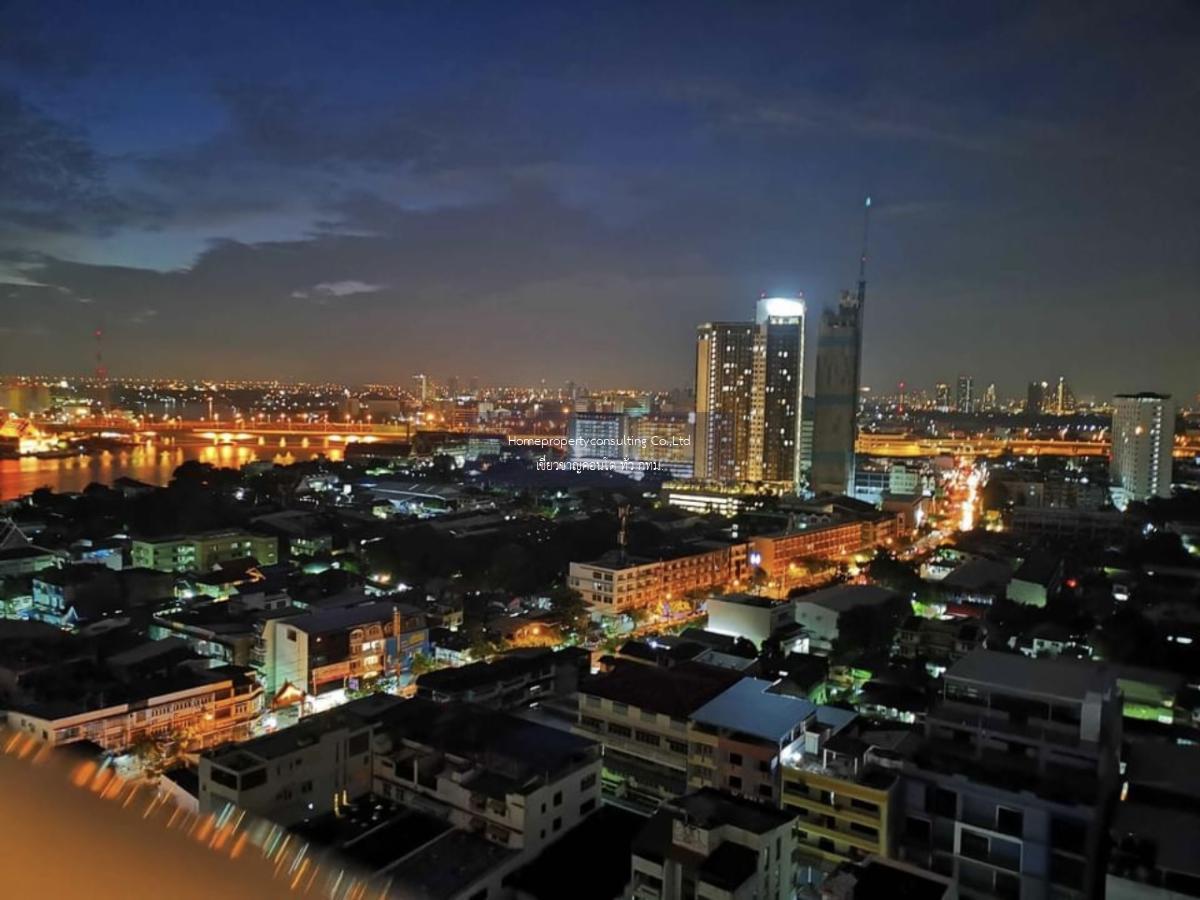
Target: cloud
(335, 289)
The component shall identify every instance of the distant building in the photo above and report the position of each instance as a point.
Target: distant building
(1035, 398)
(1143, 437)
(941, 395)
(710, 845)
(665, 440)
(598, 435)
(835, 425)
(749, 385)
(201, 552)
(965, 395)
(616, 583)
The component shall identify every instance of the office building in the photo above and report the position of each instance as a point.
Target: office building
(710, 845)
(749, 384)
(1064, 400)
(835, 418)
(665, 441)
(1009, 791)
(598, 435)
(964, 400)
(989, 398)
(1035, 398)
(941, 395)
(1143, 437)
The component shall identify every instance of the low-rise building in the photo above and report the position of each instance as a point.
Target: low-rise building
(201, 552)
(740, 740)
(708, 844)
(749, 616)
(640, 713)
(820, 611)
(192, 708)
(340, 647)
(301, 771)
(519, 784)
(514, 679)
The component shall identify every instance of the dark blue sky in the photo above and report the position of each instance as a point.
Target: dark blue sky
(521, 191)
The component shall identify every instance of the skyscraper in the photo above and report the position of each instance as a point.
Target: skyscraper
(965, 399)
(778, 386)
(1035, 398)
(1064, 400)
(839, 376)
(1143, 435)
(749, 378)
(941, 396)
(835, 422)
(724, 390)
(989, 397)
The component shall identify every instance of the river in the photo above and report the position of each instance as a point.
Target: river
(151, 463)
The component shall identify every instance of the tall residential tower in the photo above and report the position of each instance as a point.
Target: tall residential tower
(1143, 435)
(749, 378)
(839, 377)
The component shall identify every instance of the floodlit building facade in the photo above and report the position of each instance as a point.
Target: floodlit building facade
(1143, 436)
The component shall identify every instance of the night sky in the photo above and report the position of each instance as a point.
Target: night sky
(519, 191)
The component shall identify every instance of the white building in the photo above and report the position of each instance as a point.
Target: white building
(749, 616)
(1143, 435)
(820, 611)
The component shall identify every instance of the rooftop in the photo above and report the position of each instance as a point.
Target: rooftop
(1063, 679)
(749, 707)
(677, 692)
(326, 620)
(847, 596)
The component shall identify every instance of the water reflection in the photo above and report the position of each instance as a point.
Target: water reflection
(150, 462)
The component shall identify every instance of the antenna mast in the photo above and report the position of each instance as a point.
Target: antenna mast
(862, 260)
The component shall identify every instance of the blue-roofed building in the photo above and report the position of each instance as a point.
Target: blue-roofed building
(739, 740)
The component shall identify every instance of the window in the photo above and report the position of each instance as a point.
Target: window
(864, 830)
(1068, 835)
(764, 766)
(645, 737)
(865, 806)
(591, 723)
(765, 790)
(1009, 821)
(974, 845)
(1008, 886)
(587, 806)
(918, 831)
(619, 730)
(941, 802)
(735, 783)
(826, 844)
(676, 746)
(735, 759)
(558, 799)
(558, 824)
(1066, 871)
(588, 782)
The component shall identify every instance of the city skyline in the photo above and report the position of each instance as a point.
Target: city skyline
(460, 181)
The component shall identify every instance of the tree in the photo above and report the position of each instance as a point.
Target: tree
(569, 609)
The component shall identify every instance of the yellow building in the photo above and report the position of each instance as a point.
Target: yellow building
(844, 796)
(201, 552)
